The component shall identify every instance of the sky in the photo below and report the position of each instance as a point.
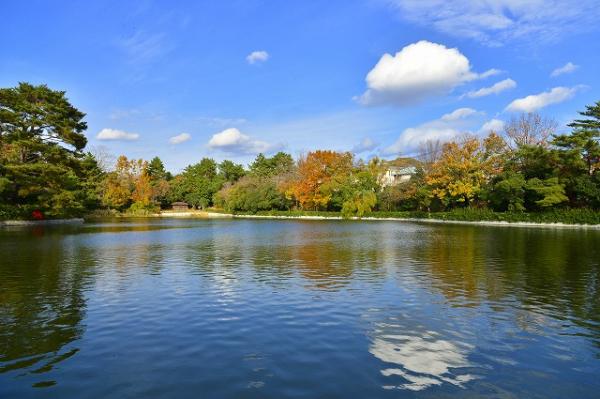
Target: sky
(229, 79)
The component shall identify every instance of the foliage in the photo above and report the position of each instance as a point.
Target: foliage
(359, 204)
(279, 164)
(528, 174)
(197, 184)
(42, 164)
(318, 175)
(251, 194)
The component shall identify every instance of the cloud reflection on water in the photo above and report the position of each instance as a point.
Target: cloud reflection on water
(425, 360)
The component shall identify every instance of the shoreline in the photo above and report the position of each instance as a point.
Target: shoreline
(218, 215)
(41, 222)
(424, 220)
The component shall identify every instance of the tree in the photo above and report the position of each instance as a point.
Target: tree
(457, 177)
(549, 192)
(313, 188)
(197, 184)
(251, 194)
(231, 172)
(41, 151)
(156, 171)
(529, 129)
(359, 203)
(280, 163)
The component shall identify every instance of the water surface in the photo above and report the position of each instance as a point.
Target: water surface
(298, 309)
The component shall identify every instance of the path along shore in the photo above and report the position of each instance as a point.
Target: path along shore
(216, 215)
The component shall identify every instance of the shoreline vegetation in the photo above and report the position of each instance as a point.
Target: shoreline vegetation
(532, 172)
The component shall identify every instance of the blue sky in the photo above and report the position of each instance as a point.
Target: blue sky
(184, 80)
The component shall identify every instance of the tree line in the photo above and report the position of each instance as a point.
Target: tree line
(526, 167)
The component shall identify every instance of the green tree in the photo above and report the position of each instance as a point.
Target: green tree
(42, 164)
(278, 164)
(230, 171)
(197, 184)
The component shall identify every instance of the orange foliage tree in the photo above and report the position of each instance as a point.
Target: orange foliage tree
(315, 171)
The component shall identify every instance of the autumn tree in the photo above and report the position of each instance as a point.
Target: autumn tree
(316, 171)
(457, 177)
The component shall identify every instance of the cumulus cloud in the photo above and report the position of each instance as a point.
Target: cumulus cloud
(445, 128)
(418, 71)
(257, 57)
(233, 141)
(496, 88)
(116, 135)
(496, 22)
(569, 67)
(493, 125)
(180, 138)
(535, 102)
(365, 145)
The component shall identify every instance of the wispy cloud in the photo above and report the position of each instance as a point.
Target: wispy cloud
(365, 145)
(180, 138)
(495, 22)
(116, 135)
(445, 128)
(569, 67)
(538, 101)
(493, 125)
(143, 47)
(256, 57)
(499, 87)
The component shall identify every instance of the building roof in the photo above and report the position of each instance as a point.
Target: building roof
(179, 204)
(406, 170)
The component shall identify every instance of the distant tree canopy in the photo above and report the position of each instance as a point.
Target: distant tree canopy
(527, 167)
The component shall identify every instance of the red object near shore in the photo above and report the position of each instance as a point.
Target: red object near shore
(37, 215)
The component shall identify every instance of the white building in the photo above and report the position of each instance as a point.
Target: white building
(395, 175)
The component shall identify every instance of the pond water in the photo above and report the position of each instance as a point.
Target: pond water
(298, 309)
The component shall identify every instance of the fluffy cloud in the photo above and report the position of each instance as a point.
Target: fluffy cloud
(445, 128)
(233, 141)
(180, 138)
(499, 87)
(495, 22)
(493, 125)
(418, 71)
(365, 145)
(116, 135)
(569, 67)
(257, 56)
(535, 102)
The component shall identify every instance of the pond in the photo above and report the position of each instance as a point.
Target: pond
(298, 309)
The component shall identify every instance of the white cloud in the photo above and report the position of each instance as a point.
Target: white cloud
(569, 67)
(257, 56)
(535, 102)
(445, 128)
(365, 145)
(418, 71)
(493, 125)
(460, 113)
(233, 141)
(495, 22)
(116, 135)
(499, 87)
(180, 138)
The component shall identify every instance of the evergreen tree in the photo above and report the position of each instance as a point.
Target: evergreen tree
(42, 165)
